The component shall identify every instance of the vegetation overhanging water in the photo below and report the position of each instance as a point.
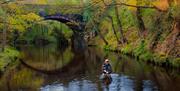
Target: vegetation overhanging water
(50, 38)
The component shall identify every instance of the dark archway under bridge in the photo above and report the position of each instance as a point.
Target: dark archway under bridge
(75, 23)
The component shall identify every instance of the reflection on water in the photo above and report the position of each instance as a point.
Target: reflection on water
(46, 58)
(51, 69)
(120, 83)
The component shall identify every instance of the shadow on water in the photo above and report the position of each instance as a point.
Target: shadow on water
(51, 69)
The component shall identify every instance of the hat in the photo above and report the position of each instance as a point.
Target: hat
(107, 60)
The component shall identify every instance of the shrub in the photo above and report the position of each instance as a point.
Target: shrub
(139, 49)
(7, 56)
(126, 49)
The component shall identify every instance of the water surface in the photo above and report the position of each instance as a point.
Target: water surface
(50, 68)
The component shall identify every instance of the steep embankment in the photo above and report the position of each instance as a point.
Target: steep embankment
(158, 42)
(160, 48)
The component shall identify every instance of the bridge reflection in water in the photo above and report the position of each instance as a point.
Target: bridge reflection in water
(51, 69)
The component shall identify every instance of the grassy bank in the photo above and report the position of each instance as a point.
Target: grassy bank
(162, 51)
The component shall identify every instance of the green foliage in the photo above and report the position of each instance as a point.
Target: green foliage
(141, 52)
(62, 28)
(127, 49)
(159, 24)
(30, 17)
(175, 11)
(28, 24)
(159, 58)
(38, 30)
(149, 17)
(7, 56)
(127, 18)
(50, 31)
(107, 47)
(87, 13)
(147, 56)
(14, 9)
(2, 13)
(10, 52)
(148, 12)
(17, 18)
(139, 49)
(175, 62)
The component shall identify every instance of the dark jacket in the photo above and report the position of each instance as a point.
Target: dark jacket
(106, 68)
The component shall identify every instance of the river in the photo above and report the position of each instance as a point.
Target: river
(50, 68)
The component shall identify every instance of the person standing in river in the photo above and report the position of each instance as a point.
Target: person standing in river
(106, 71)
(106, 67)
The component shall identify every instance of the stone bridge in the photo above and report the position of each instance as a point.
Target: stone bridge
(74, 22)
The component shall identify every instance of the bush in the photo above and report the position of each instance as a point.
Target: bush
(175, 11)
(141, 52)
(7, 56)
(146, 56)
(127, 49)
(139, 49)
(107, 47)
(176, 62)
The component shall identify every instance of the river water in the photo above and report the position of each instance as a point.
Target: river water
(49, 68)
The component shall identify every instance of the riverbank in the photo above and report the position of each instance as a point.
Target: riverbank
(159, 49)
(148, 57)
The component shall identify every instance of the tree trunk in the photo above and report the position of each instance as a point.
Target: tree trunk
(140, 21)
(4, 37)
(114, 30)
(102, 37)
(99, 33)
(141, 25)
(123, 40)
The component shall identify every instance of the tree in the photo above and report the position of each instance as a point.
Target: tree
(4, 27)
(96, 26)
(114, 4)
(140, 21)
(113, 28)
(123, 40)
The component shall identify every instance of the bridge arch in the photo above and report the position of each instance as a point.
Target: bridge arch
(73, 21)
